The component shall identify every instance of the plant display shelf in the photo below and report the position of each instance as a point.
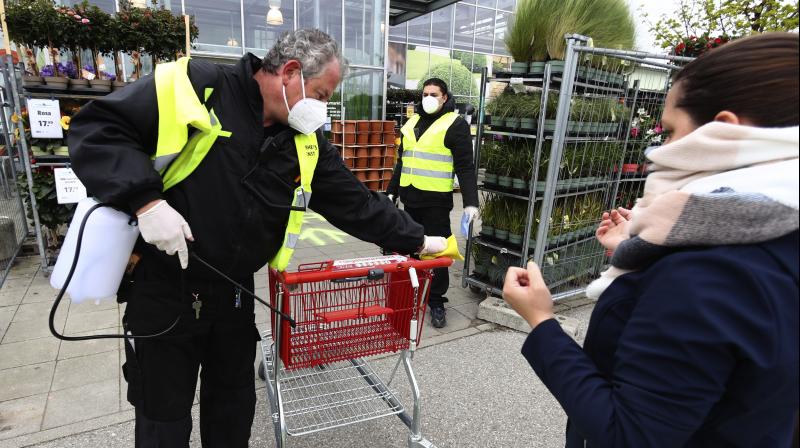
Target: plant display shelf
(554, 243)
(549, 136)
(564, 188)
(63, 94)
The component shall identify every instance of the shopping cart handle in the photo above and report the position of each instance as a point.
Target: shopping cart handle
(373, 274)
(329, 273)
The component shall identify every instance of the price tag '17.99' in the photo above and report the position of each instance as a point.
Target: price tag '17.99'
(69, 189)
(45, 118)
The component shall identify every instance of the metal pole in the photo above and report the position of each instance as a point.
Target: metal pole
(634, 54)
(562, 118)
(625, 144)
(526, 235)
(8, 136)
(11, 85)
(477, 152)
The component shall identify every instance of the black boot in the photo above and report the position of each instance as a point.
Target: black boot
(438, 317)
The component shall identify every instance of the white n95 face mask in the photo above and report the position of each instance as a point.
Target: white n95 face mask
(430, 105)
(308, 114)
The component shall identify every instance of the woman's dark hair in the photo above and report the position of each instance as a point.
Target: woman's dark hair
(755, 77)
(438, 83)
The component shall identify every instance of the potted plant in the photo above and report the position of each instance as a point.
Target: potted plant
(487, 217)
(54, 27)
(20, 15)
(529, 106)
(490, 160)
(53, 216)
(517, 212)
(506, 165)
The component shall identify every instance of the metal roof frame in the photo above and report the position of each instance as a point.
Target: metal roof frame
(401, 11)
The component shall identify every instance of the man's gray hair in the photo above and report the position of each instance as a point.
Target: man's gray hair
(311, 47)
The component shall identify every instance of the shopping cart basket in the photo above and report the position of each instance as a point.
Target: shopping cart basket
(343, 311)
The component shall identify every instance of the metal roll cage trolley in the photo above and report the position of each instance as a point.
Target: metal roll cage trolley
(331, 315)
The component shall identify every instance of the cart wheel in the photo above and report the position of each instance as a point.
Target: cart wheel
(261, 372)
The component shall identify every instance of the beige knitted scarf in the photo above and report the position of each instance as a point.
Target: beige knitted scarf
(722, 184)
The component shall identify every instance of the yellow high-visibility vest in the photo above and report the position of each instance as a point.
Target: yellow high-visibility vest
(177, 156)
(428, 163)
(307, 156)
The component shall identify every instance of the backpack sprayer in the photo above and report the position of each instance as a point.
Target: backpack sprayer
(100, 273)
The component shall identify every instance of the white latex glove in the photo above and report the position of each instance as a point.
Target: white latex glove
(470, 213)
(433, 245)
(166, 229)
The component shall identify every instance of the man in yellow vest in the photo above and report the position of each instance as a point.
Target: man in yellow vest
(436, 146)
(229, 157)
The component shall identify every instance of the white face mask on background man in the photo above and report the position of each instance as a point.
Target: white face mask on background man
(308, 114)
(430, 104)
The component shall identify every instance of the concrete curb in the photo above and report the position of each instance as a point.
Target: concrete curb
(498, 311)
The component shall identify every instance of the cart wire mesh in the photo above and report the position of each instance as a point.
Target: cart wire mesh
(336, 395)
(348, 318)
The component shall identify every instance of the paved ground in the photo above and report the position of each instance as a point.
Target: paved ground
(477, 389)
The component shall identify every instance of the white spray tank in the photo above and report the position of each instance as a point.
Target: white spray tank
(108, 240)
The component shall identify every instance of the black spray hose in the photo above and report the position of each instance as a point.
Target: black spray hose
(61, 293)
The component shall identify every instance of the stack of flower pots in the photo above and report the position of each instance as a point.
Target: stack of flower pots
(368, 148)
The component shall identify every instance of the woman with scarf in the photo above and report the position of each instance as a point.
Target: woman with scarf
(694, 338)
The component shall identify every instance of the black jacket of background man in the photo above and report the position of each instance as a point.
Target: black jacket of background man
(459, 141)
(111, 141)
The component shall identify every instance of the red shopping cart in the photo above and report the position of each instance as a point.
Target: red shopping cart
(343, 311)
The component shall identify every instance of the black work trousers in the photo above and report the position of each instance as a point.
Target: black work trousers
(436, 221)
(162, 372)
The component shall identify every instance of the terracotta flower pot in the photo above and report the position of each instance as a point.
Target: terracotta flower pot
(373, 175)
(390, 151)
(375, 162)
(350, 127)
(350, 163)
(374, 185)
(361, 175)
(630, 168)
(375, 151)
(389, 138)
(349, 139)
(376, 126)
(362, 152)
(337, 138)
(361, 163)
(348, 153)
(388, 162)
(375, 139)
(389, 126)
(362, 126)
(337, 126)
(362, 138)
(386, 175)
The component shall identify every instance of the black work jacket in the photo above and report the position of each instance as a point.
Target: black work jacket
(111, 141)
(459, 140)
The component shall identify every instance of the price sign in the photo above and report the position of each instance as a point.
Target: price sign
(69, 188)
(45, 118)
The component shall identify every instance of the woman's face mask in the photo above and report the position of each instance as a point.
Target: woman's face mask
(308, 114)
